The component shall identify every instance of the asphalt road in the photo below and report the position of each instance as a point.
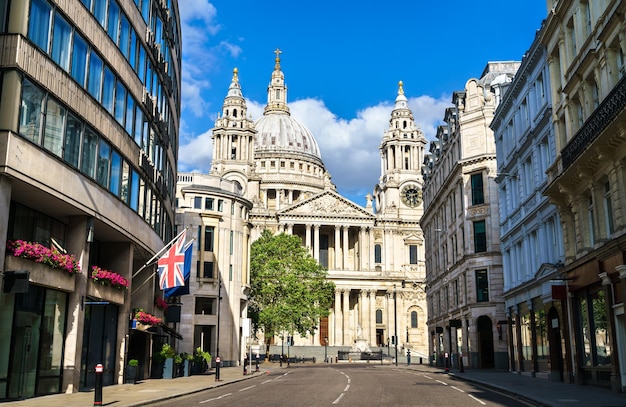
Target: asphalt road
(347, 385)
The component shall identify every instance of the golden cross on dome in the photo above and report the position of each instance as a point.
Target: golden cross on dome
(400, 88)
(277, 52)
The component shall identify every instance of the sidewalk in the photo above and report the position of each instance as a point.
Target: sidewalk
(537, 392)
(144, 393)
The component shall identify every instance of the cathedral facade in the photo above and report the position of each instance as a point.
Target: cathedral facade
(373, 254)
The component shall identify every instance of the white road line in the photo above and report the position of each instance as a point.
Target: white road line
(347, 388)
(428, 377)
(480, 401)
(267, 381)
(338, 398)
(248, 388)
(456, 388)
(216, 398)
(444, 383)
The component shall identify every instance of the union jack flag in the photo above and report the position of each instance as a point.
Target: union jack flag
(172, 264)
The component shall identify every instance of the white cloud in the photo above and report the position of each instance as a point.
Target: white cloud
(349, 147)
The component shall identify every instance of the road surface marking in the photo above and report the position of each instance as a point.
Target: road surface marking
(444, 383)
(248, 388)
(347, 388)
(456, 388)
(216, 398)
(480, 401)
(338, 398)
(428, 377)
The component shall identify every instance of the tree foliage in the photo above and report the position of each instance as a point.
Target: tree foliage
(289, 291)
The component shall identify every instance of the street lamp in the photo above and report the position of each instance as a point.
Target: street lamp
(395, 321)
(325, 349)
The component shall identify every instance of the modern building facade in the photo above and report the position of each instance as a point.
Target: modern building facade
(531, 241)
(89, 116)
(461, 215)
(374, 256)
(586, 43)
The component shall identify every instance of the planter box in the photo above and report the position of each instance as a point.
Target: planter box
(105, 292)
(42, 274)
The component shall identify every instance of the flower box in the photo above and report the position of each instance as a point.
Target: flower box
(42, 274)
(105, 292)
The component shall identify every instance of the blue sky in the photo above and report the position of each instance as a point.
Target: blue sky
(342, 61)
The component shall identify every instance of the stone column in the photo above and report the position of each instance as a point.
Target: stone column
(290, 228)
(345, 248)
(337, 258)
(346, 317)
(370, 242)
(364, 250)
(337, 339)
(316, 242)
(372, 318)
(307, 239)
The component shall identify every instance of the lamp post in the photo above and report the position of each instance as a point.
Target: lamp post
(395, 321)
(219, 301)
(325, 349)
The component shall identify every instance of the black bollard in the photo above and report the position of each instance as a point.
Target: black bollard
(218, 362)
(408, 358)
(97, 395)
(245, 365)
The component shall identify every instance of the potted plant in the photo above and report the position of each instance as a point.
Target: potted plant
(201, 361)
(168, 353)
(132, 371)
(186, 365)
(178, 365)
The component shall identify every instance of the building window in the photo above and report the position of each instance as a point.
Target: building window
(207, 270)
(482, 286)
(232, 238)
(39, 23)
(197, 202)
(208, 204)
(378, 254)
(478, 196)
(230, 272)
(480, 237)
(413, 319)
(205, 306)
(209, 232)
(412, 254)
(379, 316)
(608, 209)
(220, 205)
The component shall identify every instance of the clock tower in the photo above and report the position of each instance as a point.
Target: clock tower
(402, 152)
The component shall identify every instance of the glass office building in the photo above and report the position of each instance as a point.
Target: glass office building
(89, 118)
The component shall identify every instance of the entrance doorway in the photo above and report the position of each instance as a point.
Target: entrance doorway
(554, 341)
(486, 358)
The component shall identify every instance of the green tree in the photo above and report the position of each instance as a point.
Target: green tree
(289, 291)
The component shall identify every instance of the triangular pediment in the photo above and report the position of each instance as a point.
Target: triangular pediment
(327, 204)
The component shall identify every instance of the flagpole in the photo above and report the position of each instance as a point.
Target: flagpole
(158, 254)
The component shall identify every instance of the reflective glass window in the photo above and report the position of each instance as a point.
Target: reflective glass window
(116, 172)
(108, 90)
(95, 76)
(125, 182)
(124, 36)
(134, 190)
(88, 161)
(53, 131)
(31, 111)
(73, 130)
(102, 173)
(130, 114)
(61, 41)
(39, 23)
(79, 59)
(120, 102)
(100, 11)
(113, 23)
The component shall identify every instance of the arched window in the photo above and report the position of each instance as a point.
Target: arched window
(413, 319)
(379, 316)
(378, 254)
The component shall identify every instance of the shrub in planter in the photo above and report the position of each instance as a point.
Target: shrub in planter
(132, 371)
(201, 361)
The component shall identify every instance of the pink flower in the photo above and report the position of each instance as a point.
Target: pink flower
(109, 278)
(160, 303)
(44, 255)
(146, 318)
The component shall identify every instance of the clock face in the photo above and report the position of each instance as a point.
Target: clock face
(411, 195)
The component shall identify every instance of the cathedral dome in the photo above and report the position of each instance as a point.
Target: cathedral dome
(278, 131)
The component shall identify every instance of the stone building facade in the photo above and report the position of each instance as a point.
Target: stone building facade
(89, 117)
(460, 222)
(374, 254)
(586, 43)
(530, 235)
